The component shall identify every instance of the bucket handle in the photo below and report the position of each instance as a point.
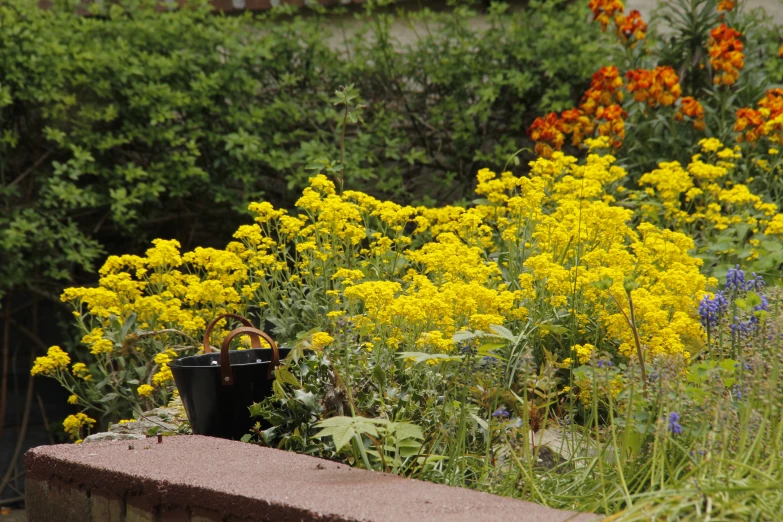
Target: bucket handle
(254, 342)
(226, 376)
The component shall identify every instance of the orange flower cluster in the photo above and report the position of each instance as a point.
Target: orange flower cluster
(631, 27)
(661, 86)
(767, 120)
(605, 11)
(726, 55)
(750, 123)
(605, 90)
(727, 5)
(613, 125)
(548, 134)
(578, 124)
(600, 103)
(773, 102)
(690, 107)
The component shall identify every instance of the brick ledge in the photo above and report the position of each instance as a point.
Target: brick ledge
(202, 479)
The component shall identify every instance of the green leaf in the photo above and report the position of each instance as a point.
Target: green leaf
(308, 399)
(380, 376)
(406, 430)
(503, 332)
(108, 397)
(287, 377)
(753, 300)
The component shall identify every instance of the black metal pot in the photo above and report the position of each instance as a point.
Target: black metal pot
(218, 388)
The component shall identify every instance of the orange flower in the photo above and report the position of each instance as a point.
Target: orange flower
(727, 5)
(639, 83)
(631, 27)
(780, 51)
(726, 55)
(604, 11)
(750, 122)
(690, 107)
(547, 132)
(614, 123)
(605, 89)
(576, 123)
(773, 102)
(660, 86)
(767, 120)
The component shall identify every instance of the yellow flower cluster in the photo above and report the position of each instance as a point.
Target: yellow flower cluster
(73, 425)
(409, 278)
(703, 195)
(54, 361)
(320, 340)
(583, 352)
(80, 371)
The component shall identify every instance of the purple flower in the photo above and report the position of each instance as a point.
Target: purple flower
(757, 283)
(735, 279)
(712, 308)
(604, 363)
(674, 423)
(501, 412)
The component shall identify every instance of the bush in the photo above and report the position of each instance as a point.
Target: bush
(134, 123)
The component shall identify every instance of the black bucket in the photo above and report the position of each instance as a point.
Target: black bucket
(218, 388)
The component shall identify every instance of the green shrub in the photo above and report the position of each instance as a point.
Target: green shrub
(132, 123)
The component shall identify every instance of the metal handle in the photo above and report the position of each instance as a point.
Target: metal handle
(226, 376)
(236, 317)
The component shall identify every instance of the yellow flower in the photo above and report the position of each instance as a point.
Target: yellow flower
(73, 399)
(265, 212)
(80, 371)
(163, 375)
(320, 340)
(164, 253)
(145, 390)
(775, 226)
(710, 144)
(583, 352)
(98, 344)
(165, 357)
(73, 425)
(54, 361)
